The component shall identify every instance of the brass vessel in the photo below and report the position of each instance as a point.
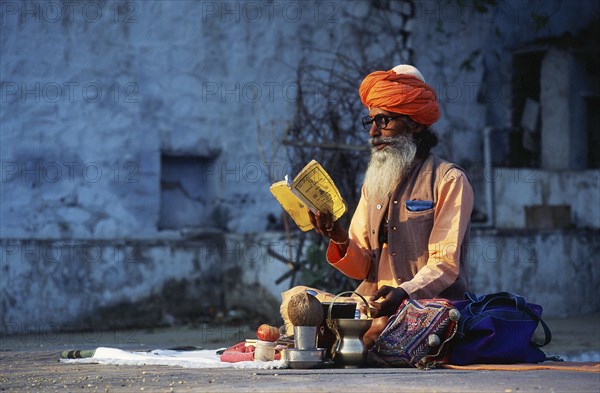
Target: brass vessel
(349, 349)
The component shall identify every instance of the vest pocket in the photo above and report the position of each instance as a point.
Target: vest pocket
(417, 229)
(424, 215)
(416, 205)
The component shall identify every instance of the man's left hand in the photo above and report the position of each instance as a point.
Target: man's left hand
(393, 297)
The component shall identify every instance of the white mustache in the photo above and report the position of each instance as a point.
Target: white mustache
(383, 139)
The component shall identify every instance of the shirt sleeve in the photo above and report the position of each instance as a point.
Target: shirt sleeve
(356, 262)
(451, 218)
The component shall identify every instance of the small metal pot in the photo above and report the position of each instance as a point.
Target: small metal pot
(326, 337)
(349, 349)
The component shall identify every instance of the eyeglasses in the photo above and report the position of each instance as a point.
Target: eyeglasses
(380, 120)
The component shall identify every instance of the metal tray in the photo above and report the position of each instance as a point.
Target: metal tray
(303, 358)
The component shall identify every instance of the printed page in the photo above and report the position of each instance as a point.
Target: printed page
(291, 204)
(314, 186)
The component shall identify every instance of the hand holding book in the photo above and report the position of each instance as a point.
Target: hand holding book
(314, 189)
(324, 225)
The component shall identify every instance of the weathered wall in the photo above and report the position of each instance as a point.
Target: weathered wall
(251, 270)
(94, 284)
(515, 260)
(94, 92)
(50, 285)
(468, 56)
(97, 96)
(514, 189)
(526, 262)
(94, 95)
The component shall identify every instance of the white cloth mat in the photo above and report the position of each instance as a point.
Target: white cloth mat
(163, 357)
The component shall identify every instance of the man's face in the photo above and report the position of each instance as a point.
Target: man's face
(392, 154)
(394, 125)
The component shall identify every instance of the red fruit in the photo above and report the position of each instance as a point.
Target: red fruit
(267, 333)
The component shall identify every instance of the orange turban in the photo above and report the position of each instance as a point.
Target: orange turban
(404, 93)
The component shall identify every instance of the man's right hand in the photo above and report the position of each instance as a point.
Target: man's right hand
(324, 225)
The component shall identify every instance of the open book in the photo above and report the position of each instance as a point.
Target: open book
(312, 188)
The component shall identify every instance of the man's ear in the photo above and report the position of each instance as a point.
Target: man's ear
(415, 127)
(418, 128)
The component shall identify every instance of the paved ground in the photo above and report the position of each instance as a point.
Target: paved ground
(30, 363)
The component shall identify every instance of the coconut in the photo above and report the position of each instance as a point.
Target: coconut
(305, 310)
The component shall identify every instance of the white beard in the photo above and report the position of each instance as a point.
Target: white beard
(388, 166)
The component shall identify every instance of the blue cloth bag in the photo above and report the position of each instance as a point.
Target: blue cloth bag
(497, 329)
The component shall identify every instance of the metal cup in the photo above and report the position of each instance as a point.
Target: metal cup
(305, 337)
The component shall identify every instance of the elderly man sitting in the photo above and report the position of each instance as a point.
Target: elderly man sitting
(405, 237)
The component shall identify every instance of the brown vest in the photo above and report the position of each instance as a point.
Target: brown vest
(408, 232)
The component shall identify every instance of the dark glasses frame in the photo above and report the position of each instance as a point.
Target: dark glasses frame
(381, 121)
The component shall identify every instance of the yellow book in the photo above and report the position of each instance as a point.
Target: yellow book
(312, 188)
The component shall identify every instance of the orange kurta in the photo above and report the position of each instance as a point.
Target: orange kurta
(423, 253)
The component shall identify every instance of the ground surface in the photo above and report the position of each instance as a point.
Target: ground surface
(30, 363)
